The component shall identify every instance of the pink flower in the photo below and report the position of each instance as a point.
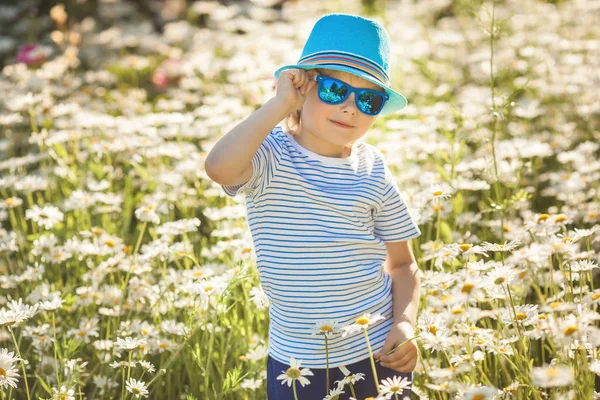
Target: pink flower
(160, 78)
(33, 54)
(169, 70)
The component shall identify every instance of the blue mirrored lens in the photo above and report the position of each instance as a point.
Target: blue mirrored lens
(369, 102)
(333, 91)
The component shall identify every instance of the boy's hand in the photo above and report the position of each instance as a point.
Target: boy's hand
(403, 359)
(293, 86)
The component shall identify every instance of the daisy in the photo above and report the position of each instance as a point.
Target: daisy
(11, 318)
(147, 366)
(502, 275)
(362, 322)
(19, 306)
(440, 192)
(510, 246)
(552, 376)
(46, 216)
(138, 388)
(63, 393)
(326, 328)
(259, 298)
(294, 373)
(147, 214)
(53, 303)
(334, 394)
(129, 343)
(251, 384)
(393, 386)
(349, 378)
(258, 353)
(9, 374)
(482, 393)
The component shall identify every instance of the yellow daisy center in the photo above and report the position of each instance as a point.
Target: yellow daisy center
(293, 373)
(570, 330)
(560, 218)
(437, 193)
(3, 372)
(433, 329)
(478, 396)
(326, 328)
(465, 246)
(362, 321)
(521, 316)
(595, 296)
(499, 280)
(543, 217)
(467, 288)
(552, 372)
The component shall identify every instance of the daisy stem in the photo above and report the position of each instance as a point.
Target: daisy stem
(437, 227)
(294, 386)
(327, 366)
(22, 362)
(123, 383)
(397, 347)
(55, 344)
(129, 366)
(396, 395)
(139, 241)
(372, 362)
(352, 390)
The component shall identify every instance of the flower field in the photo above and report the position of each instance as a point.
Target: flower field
(126, 272)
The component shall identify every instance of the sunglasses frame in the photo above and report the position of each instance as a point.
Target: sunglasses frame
(351, 89)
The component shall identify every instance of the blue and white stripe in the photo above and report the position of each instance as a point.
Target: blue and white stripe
(319, 226)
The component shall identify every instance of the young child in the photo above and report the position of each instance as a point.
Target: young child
(328, 222)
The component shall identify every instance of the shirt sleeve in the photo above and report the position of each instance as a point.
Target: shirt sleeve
(264, 165)
(394, 222)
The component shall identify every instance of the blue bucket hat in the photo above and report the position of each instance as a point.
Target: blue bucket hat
(353, 44)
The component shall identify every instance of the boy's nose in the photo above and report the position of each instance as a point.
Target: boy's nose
(349, 105)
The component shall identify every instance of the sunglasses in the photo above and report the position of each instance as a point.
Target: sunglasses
(334, 91)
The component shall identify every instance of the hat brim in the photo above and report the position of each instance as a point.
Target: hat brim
(396, 102)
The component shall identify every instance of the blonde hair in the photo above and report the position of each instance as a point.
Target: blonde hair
(292, 121)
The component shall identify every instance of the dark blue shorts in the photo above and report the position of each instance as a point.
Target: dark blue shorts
(316, 389)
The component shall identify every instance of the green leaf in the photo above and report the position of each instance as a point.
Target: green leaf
(445, 231)
(61, 151)
(44, 384)
(458, 203)
(442, 173)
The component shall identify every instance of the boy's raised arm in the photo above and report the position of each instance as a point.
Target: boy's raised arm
(229, 162)
(232, 154)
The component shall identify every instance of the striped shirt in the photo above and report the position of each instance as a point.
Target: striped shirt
(319, 226)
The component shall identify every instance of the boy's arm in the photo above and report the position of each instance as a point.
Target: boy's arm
(229, 162)
(401, 266)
